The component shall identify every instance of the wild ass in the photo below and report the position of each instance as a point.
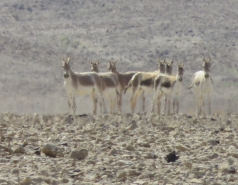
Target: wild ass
(143, 82)
(109, 85)
(123, 79)
(82, 84)
(170, 85)
(202, 84)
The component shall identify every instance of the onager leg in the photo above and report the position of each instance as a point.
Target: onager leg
(134, 98)
(94, 98)
(156, 100)
(176, 105)
(209, 104)
(101, 99)
(169, 99)
(165, 103)
(143, 102)
(70, 102)
(119, 101)
(159, 102)
(74, 105)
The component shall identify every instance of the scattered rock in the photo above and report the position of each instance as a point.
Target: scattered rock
(130, 148)
(113, 151)
(132, 125)
(50, 150)
(122, 174)
(79, 154)
(20, 150)
(189, 165)
(181, 148)
(150, 156)
(171, 157)
(214, 142)
(213, 156)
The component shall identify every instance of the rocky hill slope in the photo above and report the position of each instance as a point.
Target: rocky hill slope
(35, 35)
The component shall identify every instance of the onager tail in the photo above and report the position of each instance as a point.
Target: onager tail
(127, 87)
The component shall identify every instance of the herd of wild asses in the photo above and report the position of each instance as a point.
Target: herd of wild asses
(113, 84)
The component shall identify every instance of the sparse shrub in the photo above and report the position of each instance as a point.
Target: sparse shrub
(16, 17)
(21, 7)
(29, 9)
(64, 41)
(74, 44)
(15, 5)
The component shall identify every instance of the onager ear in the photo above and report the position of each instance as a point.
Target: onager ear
(171, 62)
(69, 59)
(97, 63)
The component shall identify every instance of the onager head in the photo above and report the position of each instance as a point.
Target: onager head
(161, 66)
(94, 67)
(112, 66)
(180, 70)
(206, 66)
(169, 67)
(66, 67)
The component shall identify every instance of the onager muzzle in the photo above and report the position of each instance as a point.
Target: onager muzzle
(180, 79)
(66, 75)
(206, 75)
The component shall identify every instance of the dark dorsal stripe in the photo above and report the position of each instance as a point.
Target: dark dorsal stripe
(147, 82)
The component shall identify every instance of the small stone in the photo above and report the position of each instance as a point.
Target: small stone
(140, 182)
(134, 173)
(122, 174)
(214, 142)
(20, 150)
(150, 156)
(38, 152)
(213, 156)
(181, 148)
(130, 148)
(144, 144)
(132, 125)
(64, 180)
(50, 150)
(15, 171)
(113, 151)
(79, 154)
(188, 165)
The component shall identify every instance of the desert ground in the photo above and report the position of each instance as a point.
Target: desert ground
(41, 144)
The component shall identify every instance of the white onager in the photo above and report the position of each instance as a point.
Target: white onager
(170, 85)
(109, 85)
(143, 82)
(202, 84)
(123, 79)
(82, 84)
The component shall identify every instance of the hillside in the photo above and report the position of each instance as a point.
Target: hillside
(35, 35)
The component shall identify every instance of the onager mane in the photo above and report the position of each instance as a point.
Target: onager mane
(202, 85)
(143, 82)
(123, 79)
(171, 86)
(82, 84)
(109, 85)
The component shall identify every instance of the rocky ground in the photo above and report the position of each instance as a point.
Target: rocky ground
(118, 149)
